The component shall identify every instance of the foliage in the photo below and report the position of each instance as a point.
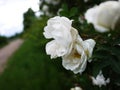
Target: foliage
(3, 41)
(28, 18)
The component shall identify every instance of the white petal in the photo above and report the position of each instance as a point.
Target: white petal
(66, 21)
(60, 20)
(76, 60)
(91, 14)
(82, 66)
(70, 64)
(47, 32)
(89, 44)
(74, 34)
(101, 29)
(55, 49)
(53, 20)
(71, 61)
(61, 33)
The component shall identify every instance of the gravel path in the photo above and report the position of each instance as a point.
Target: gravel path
(7, 51)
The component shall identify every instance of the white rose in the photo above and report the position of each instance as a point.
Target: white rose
(100, 80)
(60, 29)
(67, 44)
(81, 51)
(105, 16)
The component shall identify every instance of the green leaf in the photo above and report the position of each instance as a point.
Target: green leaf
(116, 51)
(65, 7)
(99, 65)
(64, 11)
(73, 11)
(115, 65)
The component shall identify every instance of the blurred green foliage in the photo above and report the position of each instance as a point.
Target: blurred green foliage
(28, 18)
(3, 41)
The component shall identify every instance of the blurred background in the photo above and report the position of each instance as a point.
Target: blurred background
(23, 60)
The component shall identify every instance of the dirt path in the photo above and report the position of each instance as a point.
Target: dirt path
(7, 51)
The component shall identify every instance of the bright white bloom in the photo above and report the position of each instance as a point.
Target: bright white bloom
(100, 80)
(105, 16)
(76, 88)
(59, 29)
(67, 44)
(81, 51)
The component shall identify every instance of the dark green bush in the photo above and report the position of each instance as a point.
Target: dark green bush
(3, 41)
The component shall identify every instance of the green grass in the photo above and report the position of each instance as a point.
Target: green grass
(30, 68)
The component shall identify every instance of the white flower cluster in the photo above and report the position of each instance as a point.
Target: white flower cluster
(105, 16)
(67, 44)
(100, 80)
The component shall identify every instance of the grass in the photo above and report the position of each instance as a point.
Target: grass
(30, 68)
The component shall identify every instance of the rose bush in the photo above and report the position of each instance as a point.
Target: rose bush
(67, 44)
(105, 16)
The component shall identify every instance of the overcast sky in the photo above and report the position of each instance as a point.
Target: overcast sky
(11, 15)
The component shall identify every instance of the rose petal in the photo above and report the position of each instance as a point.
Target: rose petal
(55, 49)
(88, 46)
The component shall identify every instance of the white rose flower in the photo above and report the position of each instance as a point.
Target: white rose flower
(59, 28)
(81, 51)
(67, 44)
(105, 16)
(100, 80)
